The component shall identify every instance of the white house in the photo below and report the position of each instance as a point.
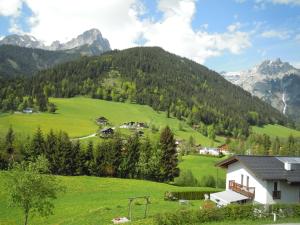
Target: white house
(209, 151)
(260, 179)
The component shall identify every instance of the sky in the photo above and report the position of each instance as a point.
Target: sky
(224, 35)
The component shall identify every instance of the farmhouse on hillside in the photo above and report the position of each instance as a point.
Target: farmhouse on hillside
(106, 132)
(28, 110)
(134, 125)
(260, 179)
(102, 121)
(209, 151)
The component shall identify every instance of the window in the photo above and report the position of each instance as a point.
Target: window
(247, 181)
(242, 179)
(275, 186)
(276, 193)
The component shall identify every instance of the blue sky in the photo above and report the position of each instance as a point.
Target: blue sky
(225, 35)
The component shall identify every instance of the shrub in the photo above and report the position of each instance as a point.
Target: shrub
(187, 179)
(188, 195)
(208, 181)
(228, 213)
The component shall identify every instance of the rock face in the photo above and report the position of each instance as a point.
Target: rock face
(90, 42)
(275, 82)
(22, 41)
(91, 38)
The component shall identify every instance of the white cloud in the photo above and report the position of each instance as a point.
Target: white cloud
(276, 34)
(234, 27)
(175, 33)
(297, 38)
(64, 19)
(14, 26)
(296, 64)
(282, 2)
(10, 7)
(120, 22)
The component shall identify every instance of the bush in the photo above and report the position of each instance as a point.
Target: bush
(187, 179)
(228, 213)
(187, 195)
(208, 181)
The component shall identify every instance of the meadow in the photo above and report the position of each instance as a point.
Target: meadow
(94, 200)
(202, 166)
(77, 117)
(276, 130)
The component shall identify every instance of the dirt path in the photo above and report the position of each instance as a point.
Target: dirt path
(85, 137)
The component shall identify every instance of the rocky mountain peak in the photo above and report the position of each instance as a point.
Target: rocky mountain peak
(90, 42)
(22, 41)
(274, 68)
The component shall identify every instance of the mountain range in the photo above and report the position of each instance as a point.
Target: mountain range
(25, 55)
(91, 39)
(275, 82)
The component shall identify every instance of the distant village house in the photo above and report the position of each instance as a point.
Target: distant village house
(28, 110)
(102, 121)
(106, 132)
(134, 125)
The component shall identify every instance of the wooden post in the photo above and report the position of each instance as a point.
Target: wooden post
(129, 213)
(147, 202)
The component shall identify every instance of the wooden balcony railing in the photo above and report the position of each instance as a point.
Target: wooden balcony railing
(276, 194)
(244, 190)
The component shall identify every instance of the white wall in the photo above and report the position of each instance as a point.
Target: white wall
(289, 193)
(263, 188)
(234, 173)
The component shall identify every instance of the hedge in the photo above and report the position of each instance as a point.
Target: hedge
(187, 195)
(228, 213)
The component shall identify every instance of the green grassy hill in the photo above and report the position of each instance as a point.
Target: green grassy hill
(276, 130)
(92, 200)
(77, 117)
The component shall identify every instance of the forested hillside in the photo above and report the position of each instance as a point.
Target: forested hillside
(152, 76)
(16, 61)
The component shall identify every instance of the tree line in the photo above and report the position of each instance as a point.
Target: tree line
(124, 157)
(262, 144)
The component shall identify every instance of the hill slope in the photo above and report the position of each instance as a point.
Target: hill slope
(16, 61)
(92, 200)
(166, 82)
(77, 117)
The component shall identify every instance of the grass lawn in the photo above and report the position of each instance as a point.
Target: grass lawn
(202, 166)
(276, 130)
(77, 117)
(92, 200)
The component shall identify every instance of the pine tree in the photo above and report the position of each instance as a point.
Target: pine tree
(116, 151)
(50, 147)
(169, 161)
(37, 146)
(89, 158)
(275, 146)
(144, 167)
(9, 143)
(128, 167)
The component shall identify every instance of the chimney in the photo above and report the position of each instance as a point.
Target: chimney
(288, 166)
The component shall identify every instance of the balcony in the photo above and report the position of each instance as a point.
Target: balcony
(241, 189)
(276, 195)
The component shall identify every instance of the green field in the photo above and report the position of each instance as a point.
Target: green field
(92, 200)
(77, 117)
(276, 130)
(202, 166)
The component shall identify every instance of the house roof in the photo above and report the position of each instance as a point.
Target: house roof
(228, 196)
(267, 167)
